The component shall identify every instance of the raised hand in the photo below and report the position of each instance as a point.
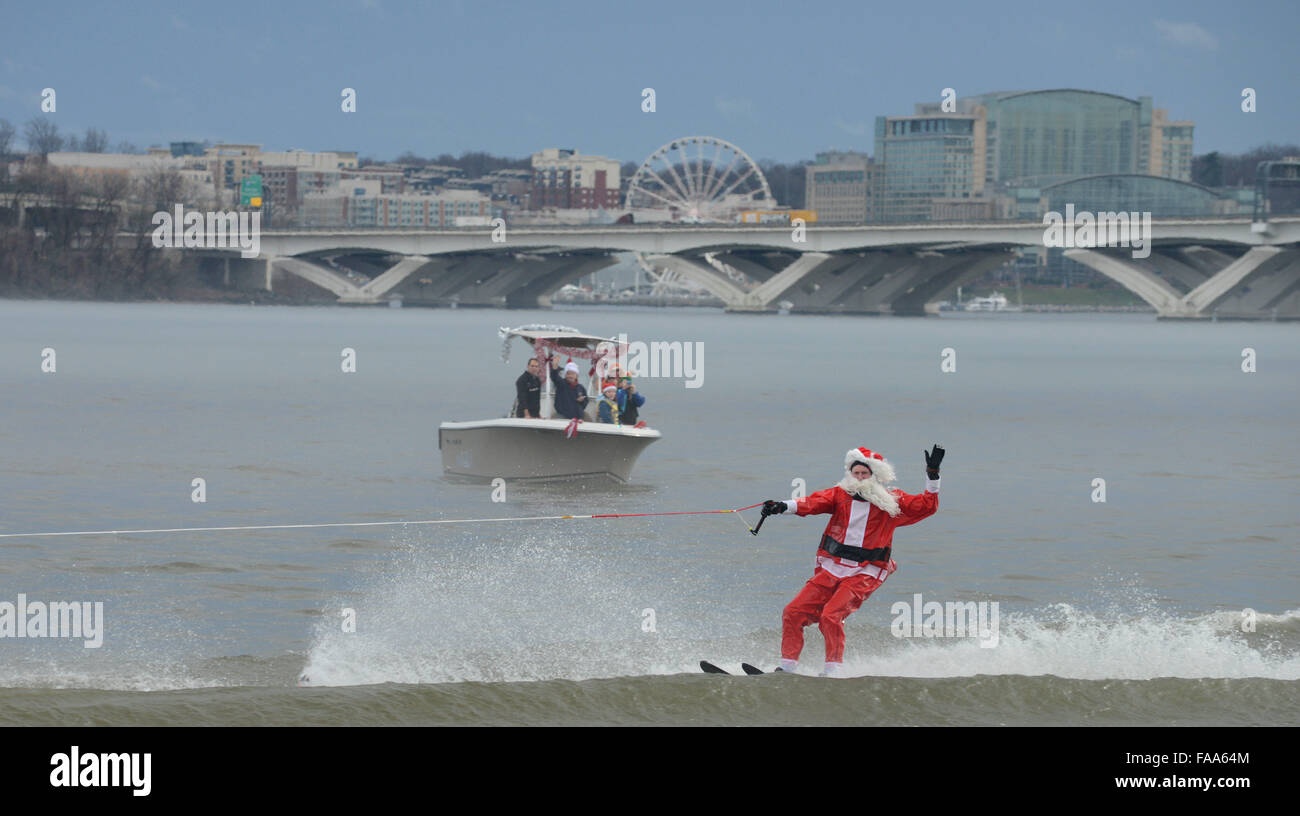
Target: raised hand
(932, 460)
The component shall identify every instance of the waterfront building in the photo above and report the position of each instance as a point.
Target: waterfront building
(566, 179)
(838, 187)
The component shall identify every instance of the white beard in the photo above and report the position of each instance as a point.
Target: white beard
(871, 490)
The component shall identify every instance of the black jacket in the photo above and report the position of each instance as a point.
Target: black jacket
(528, 394)
(566, 396)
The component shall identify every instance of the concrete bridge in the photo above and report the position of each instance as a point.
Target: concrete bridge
(1197, 268)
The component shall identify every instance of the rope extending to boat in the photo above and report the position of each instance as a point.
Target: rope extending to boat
(372, 524)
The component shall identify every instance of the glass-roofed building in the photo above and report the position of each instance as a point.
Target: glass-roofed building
(1063, 133)
(1163, 198)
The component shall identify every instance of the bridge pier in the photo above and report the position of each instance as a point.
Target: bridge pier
(314, 273)
(444, 276)
(970, 264)
(821, 288)
(766, 293)
(508, 280)
(235, 272)
(705, 275)
(393, 277)
(762, 265)
(1262, 283)
(536, 293)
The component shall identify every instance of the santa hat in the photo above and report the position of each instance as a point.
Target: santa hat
(571, 366)
(609, 387)
(880, 468)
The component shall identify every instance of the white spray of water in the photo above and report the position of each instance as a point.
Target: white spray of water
(540, 610)
(1067, 642)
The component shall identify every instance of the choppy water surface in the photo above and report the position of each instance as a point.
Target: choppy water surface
(1127, 611)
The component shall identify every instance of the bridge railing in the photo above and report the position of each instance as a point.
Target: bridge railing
(467, 230)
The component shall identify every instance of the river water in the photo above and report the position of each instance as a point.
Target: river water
(1173, 600)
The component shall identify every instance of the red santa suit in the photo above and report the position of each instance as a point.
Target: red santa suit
(854, 556)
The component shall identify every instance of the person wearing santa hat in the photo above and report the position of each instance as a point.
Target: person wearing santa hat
(854, 556)
(607, 408)
(570, 395)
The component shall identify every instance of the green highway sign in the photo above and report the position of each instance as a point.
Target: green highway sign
(250, 191)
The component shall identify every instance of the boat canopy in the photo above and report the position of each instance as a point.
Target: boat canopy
(569, 340)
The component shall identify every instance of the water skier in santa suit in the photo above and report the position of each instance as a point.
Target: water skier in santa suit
(853, 558)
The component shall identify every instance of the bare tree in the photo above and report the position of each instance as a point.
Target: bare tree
(95, 141)
(109, 192)
(7, 132)
(410, 158)
(126, 147)
(43, 137)
(158, 191)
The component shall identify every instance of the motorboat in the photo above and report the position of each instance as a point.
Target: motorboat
(551, 447)
(996, 302)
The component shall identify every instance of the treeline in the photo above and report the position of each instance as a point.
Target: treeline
(1217, 169)
(474, 163)
(786, 181)
(43, 138)
(69, 243)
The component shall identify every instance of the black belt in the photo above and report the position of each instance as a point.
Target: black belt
(839, 550)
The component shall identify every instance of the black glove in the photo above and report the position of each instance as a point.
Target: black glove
(932, 460)
(771, 507)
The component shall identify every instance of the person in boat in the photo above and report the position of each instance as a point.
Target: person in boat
(528, 392)
(570, 395)
(607, 408)
(854, 555)
(629, 401)
(611, 377)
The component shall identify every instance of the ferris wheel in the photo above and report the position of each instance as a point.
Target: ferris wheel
(699, 178)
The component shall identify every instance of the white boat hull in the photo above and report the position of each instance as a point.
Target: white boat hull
(538, 449)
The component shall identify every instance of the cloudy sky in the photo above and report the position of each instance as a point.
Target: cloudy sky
(781, 80)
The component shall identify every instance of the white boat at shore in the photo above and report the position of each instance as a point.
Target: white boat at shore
(546, 448)
(996, 302)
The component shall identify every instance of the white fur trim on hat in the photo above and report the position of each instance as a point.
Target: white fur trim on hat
(880, 467)
(571, 367)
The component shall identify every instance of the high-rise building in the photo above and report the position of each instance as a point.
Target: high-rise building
(178, 149)
(288, 176)
(230, 163)
(1171, 147)
(1052, 135)
(923, 158)
(564, 179)
(838, 187)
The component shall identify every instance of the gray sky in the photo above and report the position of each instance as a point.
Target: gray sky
(781, 80)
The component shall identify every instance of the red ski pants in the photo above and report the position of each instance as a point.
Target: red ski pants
(826, 601)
